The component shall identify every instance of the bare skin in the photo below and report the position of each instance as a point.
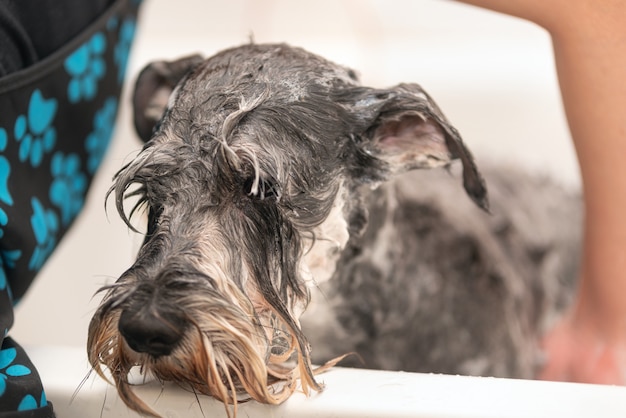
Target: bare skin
(589, 41)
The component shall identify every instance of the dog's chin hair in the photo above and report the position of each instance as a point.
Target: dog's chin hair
(220, 356)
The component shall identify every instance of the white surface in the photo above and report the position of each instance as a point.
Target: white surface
(349, 393)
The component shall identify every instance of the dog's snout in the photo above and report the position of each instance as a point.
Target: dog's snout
(150, 330)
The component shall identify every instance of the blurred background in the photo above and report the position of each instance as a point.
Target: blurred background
(492, 75)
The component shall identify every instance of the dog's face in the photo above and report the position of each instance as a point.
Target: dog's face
(249, 175)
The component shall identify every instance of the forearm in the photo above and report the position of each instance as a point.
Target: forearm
(591, 64)
(589, 40)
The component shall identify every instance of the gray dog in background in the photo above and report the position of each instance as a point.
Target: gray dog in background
(270, 174)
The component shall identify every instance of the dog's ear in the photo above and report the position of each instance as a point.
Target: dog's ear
(153, 89)
(406, 130)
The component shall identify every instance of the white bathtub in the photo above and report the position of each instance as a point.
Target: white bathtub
(349, 393)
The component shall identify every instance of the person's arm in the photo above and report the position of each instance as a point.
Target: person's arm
(589, 40)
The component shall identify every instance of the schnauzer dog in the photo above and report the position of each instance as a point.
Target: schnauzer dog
(260, 170)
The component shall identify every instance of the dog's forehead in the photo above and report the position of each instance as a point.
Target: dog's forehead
(287, 72)
(265, 99)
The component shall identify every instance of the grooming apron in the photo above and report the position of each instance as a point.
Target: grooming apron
(62, 64)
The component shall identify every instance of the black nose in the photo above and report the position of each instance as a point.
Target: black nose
(151, 331)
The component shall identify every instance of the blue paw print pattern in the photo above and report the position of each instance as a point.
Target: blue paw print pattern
(29, 402)
(68, 187)
(98, 140)
(4, 220)
(86, 66)
(3, 279)
(5, 171)
(8, 258)
(45, 226)
(112, 23)
(122, 49)
(8, 369)
(34, 131)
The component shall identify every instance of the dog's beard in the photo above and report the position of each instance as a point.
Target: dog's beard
(228, 353)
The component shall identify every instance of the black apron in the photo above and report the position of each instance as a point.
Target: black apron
(62, 64)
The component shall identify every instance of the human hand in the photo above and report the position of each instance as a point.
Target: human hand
(578, 353)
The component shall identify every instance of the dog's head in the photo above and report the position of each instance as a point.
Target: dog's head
(249, 175)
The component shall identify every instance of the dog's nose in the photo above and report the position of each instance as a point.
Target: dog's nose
(151, 331)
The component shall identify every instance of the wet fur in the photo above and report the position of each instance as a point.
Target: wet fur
(259, 172)
(435, 285)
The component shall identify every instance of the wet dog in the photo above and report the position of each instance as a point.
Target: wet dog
(267, 171)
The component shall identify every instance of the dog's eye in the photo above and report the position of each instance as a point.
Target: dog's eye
(261, 189)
